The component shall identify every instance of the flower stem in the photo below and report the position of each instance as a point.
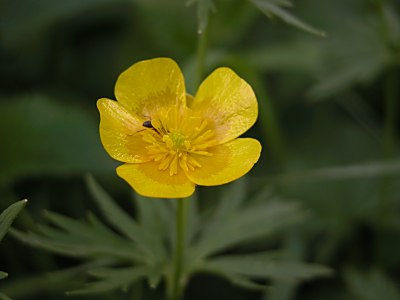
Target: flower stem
(201, 55)
(179, 250)
(389, 135)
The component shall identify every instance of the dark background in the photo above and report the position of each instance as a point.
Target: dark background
(327, 121)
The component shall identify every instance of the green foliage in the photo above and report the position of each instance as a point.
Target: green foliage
(373, 285)
(8, 216)
(276, 8)
(6, 219)
(271, 8)
(49, 132)
(57, 58)
(143, 249)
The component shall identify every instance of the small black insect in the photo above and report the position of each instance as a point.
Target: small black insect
(148, 124)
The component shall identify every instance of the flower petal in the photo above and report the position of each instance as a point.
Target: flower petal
(147, 180)
(149, 86)
(119, 133)
(229, 101)
(228, 162)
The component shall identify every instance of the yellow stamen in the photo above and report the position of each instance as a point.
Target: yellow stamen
(175, 140)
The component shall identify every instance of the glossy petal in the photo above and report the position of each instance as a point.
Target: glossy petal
(149, 86)
(118, 133)
(147, 180)
(229, 101)
(228, 162)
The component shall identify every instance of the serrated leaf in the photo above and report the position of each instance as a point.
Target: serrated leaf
(34, 286)
(113, 279)
(267, 265)
(124, 223)
(374, 285)
(76, 246)
(364, 170)
(249, 223)
(8, 216)
(233, 196)
(356, 54)
(235, 279)
(3, 275)
(272, 8)
(155, 215)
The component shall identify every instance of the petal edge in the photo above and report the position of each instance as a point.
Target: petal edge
(147, 180)
(229, 162)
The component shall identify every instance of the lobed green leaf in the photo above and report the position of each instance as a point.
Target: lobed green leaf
(272, 8)
(8, 216)
(374, 285)
(148, 243)
(268, 265)
(3, 275)
(249, 223)
(112, 279)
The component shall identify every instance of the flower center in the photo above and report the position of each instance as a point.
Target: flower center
(178, 141)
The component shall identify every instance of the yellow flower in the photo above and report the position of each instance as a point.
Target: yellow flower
(170, 141)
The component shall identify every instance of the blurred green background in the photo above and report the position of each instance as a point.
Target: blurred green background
(328, 122)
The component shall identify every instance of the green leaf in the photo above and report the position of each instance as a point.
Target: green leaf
(272, 8)
(234, 195)
(268, 265)
(155, 215)
(8, 216)
(235, 279)
(249, 223)
(36, 285)
(290, 56)
(4, 297)
(365, 170)
(3, 275)
(81, 240)
(125, 224)
(112, 279)
(392, 19)
(48, 137)
(355, 54)
(373, 285)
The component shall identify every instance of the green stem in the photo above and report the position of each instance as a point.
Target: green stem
(177, 286)
(201, 55)
(391, 96)
(389, 135)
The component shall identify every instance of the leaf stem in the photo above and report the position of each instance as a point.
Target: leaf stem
(179, 249)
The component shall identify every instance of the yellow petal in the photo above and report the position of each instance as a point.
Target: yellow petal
(229, 101)
(119, 133)
(228, 162)
(147, 180)
(189, 100)
(149, 86)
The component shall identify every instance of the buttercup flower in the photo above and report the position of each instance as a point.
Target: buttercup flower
(170, 141)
